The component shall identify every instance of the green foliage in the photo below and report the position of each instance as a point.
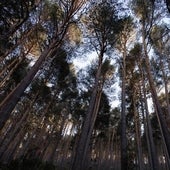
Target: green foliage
(60, 66)
(124, 36)
(114, 116)
(107, 69)
(103, 24)
(12, 14)
(41, 87)
(13, 10)
(103, 117)
(136, 50)
(20, 72)
(126, 23)
(142, 9)
(52, 11)
(159, 38)
(74, 34)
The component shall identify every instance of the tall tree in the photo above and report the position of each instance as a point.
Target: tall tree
(69, 11)
(145, 11)
(136, 52)
(160, 40)
(101, 29)
(122, 45)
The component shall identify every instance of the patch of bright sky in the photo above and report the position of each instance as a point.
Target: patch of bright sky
(166, 20)
(84, 61)
(32, 58)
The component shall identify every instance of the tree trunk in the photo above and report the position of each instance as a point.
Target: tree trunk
(161, 118)
(12, 147)
(84, 141)
(163, 125)
(150, 157)
(16, 130)
(165, 79)
(124, 165)
(12, 99)
(137, 129)
(9, 103)
(154, 156)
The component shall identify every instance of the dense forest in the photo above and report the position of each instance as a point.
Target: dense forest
(84, 85)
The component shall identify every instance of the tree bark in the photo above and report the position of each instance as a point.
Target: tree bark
(7, 106)
(124, 165)
(83, 143)
(12, 99)
(137, 129)
(161, 118)
(152, 148)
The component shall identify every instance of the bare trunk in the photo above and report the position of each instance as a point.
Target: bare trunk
(161, 118)
(84, 141)
(138, 134)
(163, 125)
(21, 123)
(124, 165)
(166, 91)
(8, 155)
(9, 103)
(150, 157)
(12, 99)
(154, 156)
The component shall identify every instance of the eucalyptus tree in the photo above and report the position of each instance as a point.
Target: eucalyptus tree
(55, 39)
(101, 22)
(145, 10)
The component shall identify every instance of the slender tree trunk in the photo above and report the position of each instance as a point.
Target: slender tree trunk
(168, 5)
(84, 141)
(137, 129)
(154, 156)
(12, 99)
(51, 157)
(150, 157)
(161, 118)
(166, 135)
(9, 103)
(81, 152)
(94, 116)
(165, 79)
(13, 146)
(124, 165)
(16, 130)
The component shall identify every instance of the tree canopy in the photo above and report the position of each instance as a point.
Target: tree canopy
(108, 110)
